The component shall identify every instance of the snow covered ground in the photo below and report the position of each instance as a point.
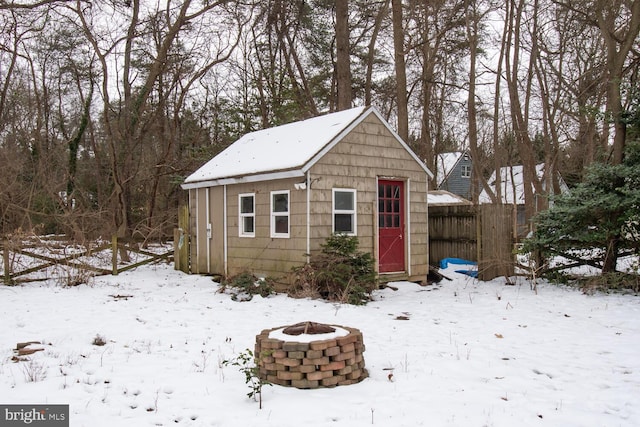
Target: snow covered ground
(470, 354)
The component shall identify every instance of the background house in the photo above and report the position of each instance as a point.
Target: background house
(512, 190)
(275, 195)
(453, 173)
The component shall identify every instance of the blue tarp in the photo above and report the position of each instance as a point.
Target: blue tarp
(444, 263)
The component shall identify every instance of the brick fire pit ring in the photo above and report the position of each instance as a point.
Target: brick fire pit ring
(311, 355)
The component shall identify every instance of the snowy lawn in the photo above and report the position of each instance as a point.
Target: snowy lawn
(470, 354)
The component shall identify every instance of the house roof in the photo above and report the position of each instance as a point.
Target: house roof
(445, 162)
(445, 198)
(512, 184)
(283, 151)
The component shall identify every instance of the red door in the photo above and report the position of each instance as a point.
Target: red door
(390, 226)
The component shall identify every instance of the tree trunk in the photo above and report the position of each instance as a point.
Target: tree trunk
(74, 145)
(472, 37)
(343, 70)
(371, 51)
(519, 116)
(401, 71)
(619, 44)
(611, 256)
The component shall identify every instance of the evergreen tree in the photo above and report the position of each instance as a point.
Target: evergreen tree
(601, 214)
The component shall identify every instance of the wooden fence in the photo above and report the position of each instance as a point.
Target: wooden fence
(36, 258)
(482, 233)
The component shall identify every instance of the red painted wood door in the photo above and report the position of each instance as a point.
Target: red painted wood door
(391, 226)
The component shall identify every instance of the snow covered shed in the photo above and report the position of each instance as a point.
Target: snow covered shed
(275, 195)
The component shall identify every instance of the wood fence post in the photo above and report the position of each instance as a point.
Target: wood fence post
(7, 266)
(176, 249)
(181, 240)
(480, 250)
(114, 255)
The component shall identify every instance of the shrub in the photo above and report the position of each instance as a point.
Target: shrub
(99, 340)
(338, 273)
(71, 276)
(245, 285)
(34, 371)
(248, 364)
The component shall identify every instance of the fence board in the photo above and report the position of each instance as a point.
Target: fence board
(453, 232)
(496, 240)
(476, 233)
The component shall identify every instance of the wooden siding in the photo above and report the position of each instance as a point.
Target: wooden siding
(455, 183)
(262, 254)
(369, 152)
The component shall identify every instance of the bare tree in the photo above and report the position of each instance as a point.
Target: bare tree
(143, 91)
(343, 67)
(473, 17)
(619, 24)
(371, 50)
(436, 39)
(520, 109)
(572, 67)
(284, 89)
(401, 72)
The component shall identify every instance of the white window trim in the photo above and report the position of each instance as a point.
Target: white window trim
(466, 168)
(273, 215)
(241, 216)
(353, 212)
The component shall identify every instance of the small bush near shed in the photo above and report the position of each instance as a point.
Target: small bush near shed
(245, 285)
(338, 273)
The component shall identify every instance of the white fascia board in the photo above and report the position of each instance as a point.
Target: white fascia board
(297, 173)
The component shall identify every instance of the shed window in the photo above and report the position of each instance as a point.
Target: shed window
(247, 215)
(466, 171)
(344, 211)
(280, 214)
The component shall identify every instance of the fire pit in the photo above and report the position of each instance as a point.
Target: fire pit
(311, 355)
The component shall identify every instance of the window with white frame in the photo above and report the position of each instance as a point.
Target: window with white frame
(466, 171)
(280, 214)
(247, 215)
(344, 211)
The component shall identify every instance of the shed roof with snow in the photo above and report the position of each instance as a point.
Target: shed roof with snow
(280, 152)
(275, 195)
